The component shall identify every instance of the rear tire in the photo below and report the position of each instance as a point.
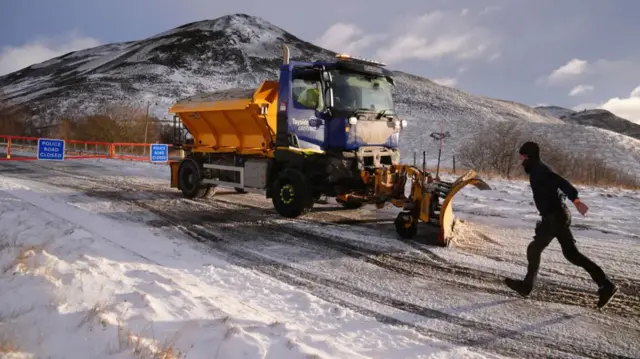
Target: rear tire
(189, 177)
(291, 194)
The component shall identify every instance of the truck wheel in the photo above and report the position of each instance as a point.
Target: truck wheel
(291, 195)
(189, 177)
(240, 190)
(406, 225)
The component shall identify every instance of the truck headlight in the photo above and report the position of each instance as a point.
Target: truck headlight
(404, 123)
(353, 120)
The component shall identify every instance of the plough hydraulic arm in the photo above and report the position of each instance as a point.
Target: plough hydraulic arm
(429, 199)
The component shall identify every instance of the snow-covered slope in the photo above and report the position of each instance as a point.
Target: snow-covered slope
(620, 151)
(241, 51)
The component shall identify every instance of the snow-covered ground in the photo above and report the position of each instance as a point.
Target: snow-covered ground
(101, 259)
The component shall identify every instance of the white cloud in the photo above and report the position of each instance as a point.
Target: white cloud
(490, 10)
(570, 70)
(626, 107)
(580, 90)
(494, 57)
(436, 35)
(446, 81)
(429, 36)
(346, 38)
(42, 49)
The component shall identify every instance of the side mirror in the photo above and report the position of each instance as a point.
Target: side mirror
(391, 81)
(329, 97)
(326, 76)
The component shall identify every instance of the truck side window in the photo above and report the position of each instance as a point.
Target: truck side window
(306, 89)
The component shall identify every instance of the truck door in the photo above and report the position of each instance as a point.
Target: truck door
(305, 115)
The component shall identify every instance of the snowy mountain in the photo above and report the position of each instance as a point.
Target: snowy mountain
(596, 117)
(241, 51)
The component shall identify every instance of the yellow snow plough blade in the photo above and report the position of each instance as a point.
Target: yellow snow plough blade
(429, 201)
(446, 208)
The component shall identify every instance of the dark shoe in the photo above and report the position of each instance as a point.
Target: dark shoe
(606, 293)
(519, 286)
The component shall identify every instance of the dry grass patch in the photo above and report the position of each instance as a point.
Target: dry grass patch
(92, 316)
(8, 345)
(141, 347)
(31, 259)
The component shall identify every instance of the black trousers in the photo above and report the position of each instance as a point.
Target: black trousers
(557, 225)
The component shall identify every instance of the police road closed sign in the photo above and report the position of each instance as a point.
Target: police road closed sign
(50, 149)
(159, 153)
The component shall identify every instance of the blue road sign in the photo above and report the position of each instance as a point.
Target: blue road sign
(159, 152)
(50, 149)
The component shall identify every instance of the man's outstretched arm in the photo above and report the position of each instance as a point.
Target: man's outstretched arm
(567, 188)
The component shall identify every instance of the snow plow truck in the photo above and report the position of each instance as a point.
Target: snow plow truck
(325, 128)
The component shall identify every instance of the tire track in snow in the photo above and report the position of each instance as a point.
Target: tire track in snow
(473, 333)
(627, 301)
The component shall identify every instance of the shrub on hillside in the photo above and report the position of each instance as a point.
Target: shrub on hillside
(494, 150)
(114, 123)
(13, 120)
(111, 123)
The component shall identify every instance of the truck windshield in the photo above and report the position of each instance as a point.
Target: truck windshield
(354, 90)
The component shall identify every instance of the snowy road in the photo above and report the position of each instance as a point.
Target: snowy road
(338, 289)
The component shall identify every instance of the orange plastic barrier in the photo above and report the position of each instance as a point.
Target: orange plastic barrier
(21, 148)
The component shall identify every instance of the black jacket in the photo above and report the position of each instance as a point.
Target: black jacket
(548, 188)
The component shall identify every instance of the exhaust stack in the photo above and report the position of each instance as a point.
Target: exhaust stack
(285, 54)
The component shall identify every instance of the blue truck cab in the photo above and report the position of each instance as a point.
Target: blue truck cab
(341, 109)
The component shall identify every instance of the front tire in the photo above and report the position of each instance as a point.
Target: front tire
(291, 194)
(406, 225)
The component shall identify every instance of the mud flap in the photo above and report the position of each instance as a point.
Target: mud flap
(174, 174)
(446, 210)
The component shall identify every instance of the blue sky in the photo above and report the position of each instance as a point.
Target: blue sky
(571, 53)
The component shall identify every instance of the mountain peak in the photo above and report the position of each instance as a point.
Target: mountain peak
(245, 26)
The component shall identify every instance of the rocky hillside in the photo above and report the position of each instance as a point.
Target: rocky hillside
(596, 118)
(241, 51)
